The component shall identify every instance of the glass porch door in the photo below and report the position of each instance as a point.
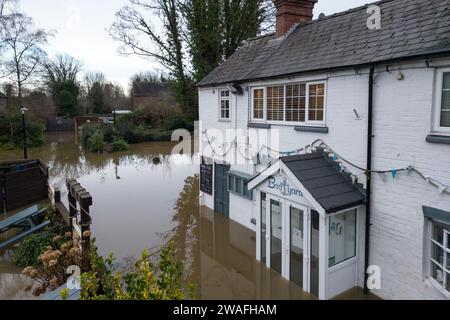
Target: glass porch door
(276, 236)
(290, 241)
(296, 253)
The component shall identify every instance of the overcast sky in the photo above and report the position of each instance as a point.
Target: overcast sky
(89, 41)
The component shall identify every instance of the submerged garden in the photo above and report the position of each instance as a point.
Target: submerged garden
(125, 162)
(157, 272)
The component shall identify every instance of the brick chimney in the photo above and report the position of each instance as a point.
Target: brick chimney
(291, 12)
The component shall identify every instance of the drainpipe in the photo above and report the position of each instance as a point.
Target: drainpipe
(236, 128)
(370, 137)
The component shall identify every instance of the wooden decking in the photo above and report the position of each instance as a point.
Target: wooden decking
(74, 294)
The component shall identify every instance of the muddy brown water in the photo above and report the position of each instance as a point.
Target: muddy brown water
(144, 198)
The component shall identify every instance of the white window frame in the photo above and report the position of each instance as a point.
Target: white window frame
(242, 181)
(354, 257)
(295, 123)
(220, 90)
(315, 122)
(278, 122)
(285, 122)
(437, 109)
(252, 113)
(430, 260)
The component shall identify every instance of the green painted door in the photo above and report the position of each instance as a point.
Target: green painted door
(221, 194)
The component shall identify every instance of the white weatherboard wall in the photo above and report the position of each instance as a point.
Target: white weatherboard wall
(402, 112)
(346, 92)
(402, 120)
(242, 211)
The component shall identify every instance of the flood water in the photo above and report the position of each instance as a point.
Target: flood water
(144, 198)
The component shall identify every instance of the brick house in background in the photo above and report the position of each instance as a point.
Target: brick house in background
(147, 93)
(325, 104)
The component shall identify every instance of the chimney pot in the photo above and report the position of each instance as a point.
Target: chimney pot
(291, 12)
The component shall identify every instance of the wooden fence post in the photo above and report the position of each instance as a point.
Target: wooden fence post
(79, 195)
(85, 201)
(73, 211)
(57, 196)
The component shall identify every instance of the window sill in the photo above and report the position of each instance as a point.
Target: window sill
(259, 125)
(436, 286)
(436, 214)
(241, 195)
(441, 139)
(311, 129)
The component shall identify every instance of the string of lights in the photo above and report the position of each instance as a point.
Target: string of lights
(443, 188)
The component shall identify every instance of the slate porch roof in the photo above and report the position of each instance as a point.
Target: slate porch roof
(409, 29)
(331, 188)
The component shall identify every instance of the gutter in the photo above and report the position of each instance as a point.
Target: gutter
(370, 137)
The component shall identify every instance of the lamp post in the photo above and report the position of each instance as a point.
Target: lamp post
(24, 133)
(116, 164)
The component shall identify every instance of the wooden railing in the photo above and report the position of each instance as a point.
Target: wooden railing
(77, 215)
(79, 203)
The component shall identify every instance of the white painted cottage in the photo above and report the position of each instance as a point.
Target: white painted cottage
(331, 140)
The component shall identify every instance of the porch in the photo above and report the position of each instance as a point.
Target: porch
(311, 224)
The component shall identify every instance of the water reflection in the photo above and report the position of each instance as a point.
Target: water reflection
(219, 254)
(228, 266)
(144, 198)
(13, 286)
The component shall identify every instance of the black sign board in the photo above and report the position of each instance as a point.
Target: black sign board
(206, 178)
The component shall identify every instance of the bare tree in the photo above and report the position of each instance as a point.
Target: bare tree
(6, 8)
(91, 78)
(61, 69)
(149, 76)
(22, 48)
(60, 77)
(101, 95)
(135, 28)
(268, 13)
(7, 5)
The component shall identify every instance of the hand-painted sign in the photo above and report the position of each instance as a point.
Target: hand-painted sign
(284, 187)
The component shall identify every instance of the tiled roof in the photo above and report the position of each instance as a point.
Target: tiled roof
(149, 89)
(409, 28)
(332, 189)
